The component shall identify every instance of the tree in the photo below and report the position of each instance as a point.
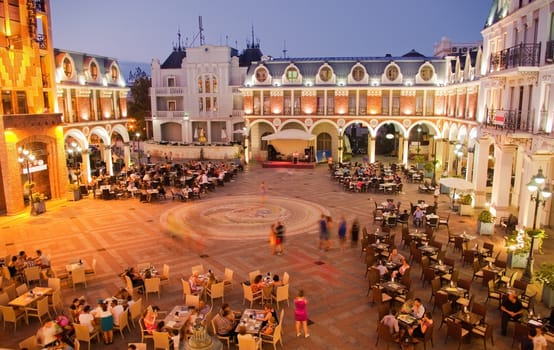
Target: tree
(139, 102)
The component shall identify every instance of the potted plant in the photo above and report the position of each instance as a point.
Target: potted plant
(545, 275)
(428, 167)
(419, 159)
(465, 204)
(518, 245)
(485, 223)
(73, 193)
(38, 204)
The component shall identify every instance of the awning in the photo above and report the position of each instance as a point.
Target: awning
(290, 134)
(456, 183)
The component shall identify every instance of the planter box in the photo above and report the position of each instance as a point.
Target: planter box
(547, 296)
(74, 195)
(485, 228)
(517, 260)
(466, 209)
(38, 207)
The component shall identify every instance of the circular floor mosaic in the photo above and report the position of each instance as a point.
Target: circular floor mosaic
(241, 217)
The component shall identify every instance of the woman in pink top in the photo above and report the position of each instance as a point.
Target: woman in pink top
(301, 313)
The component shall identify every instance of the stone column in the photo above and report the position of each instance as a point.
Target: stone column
(481, 160)
(400, 150)
(450, 156)
(502, 178)
(520, 155)
(531, 165)
(405, 151)
(127, 154)
(469, 166)
(371, 147)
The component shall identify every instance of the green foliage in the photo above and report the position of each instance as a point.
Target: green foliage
(139, 104)
(428, 166)
(466, 199)
(73, 187)
(38, 197)
(485, 217)
(545, 274)
(29, 185)
(418, 159)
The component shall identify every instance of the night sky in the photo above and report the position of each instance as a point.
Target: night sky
(140, 30)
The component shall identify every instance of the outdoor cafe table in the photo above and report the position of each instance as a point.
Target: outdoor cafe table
(30, 297)
(503, 290)
(495, 269)
(80, 264)
(441, 268)
(469, 318)
(177, 318)
(380, 246)
(404, 315)
(465, 236)
(419, 235)
(428, 249)
(455, 292)
(394, 287)
(249, 320)
(381, 234)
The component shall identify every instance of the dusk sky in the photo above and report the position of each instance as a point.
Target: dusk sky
(140, 30)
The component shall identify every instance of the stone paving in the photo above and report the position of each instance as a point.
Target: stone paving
(122, 233)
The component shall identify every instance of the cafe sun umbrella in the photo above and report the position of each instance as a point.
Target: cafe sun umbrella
(456, 183)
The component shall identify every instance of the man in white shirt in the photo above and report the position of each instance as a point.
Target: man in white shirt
(418, 310)
(117, 310)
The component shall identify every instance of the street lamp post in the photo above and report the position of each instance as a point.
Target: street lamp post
(539, 194)
(26, 159)
(340, 145)
(74, 150)
(434, 179)
(137, 136)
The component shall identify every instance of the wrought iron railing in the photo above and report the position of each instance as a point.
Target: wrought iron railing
(522, 55)
(508, 120)
(42, 42)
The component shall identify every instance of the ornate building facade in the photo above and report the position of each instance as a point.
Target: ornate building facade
(91, 94)
(28, 124)
(516, 102)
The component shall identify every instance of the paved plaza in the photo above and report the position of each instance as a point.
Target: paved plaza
(229, 228)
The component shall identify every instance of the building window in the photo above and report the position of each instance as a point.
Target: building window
(93, 71)
(171, 81)
(22, 102)
(115, 73)
(325, 74)
(7, 102)
(200, 85)
(201, 104)
(324, 142)
(261, 75)
(392, 73)
(67, 67)
(171, 105)
(358, 73)
(292, 74)
(426, 73)
(207, 88)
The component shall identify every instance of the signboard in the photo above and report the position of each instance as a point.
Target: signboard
(499, 118)
(35, 168)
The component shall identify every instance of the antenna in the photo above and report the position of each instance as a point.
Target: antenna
(285, 49)
(201, 31)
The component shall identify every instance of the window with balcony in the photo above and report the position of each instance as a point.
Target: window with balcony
(7, 102)
(171, 105)
(67, 67)
(171, 81)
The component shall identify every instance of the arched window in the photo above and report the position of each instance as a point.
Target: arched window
(115, 73)
(207, 90)
(93, 71)
(324, 142)
(67, 67)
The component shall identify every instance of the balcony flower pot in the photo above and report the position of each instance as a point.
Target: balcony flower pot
(73, 192)
(485, 223)
(545, 275)
(465, 205)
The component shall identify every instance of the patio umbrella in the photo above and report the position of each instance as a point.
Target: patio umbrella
(456, 183)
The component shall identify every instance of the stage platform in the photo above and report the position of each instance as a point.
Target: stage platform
(285, 164)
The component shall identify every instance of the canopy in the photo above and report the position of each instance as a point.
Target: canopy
(456, 183)
(289, 134)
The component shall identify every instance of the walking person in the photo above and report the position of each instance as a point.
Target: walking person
(301, 314)
(272, 239)
(279, 237)
(342, 232)
(354, 232)
(323, 232)
(106, 324)
(263, 191)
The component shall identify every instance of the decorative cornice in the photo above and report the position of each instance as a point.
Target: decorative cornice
(341, 92)
(374, 92)
(276, 93)
(311, 93)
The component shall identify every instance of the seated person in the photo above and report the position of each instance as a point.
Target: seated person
(402, 269)
(269, 327)
(383, 271)
(418, 310)
(404, 216)
(395, 257)
(422, 326)
(391, 322)
(150, 316)
(258, 284)
(511, 309)
(76, 308)
(418, 217)
(390, 206)
(135, 277)
(13, 267)
(42, 260)
(225, 324)
(48, 333)
(243, 335)
(196, 283)
(87, 319)
(269, 313)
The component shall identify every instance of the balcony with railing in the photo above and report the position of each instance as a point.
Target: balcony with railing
(507, 119)
(40, 5)
(42, 42)
(522, 55)
(168, 91)
(170, 114)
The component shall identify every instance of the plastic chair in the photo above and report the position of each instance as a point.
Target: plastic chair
(228, 277)
(282, 294)
(152, 285)
(41, 309)
(249, 295)
(82, 333)
(215, 291)
(9, 314)
(123, 323)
